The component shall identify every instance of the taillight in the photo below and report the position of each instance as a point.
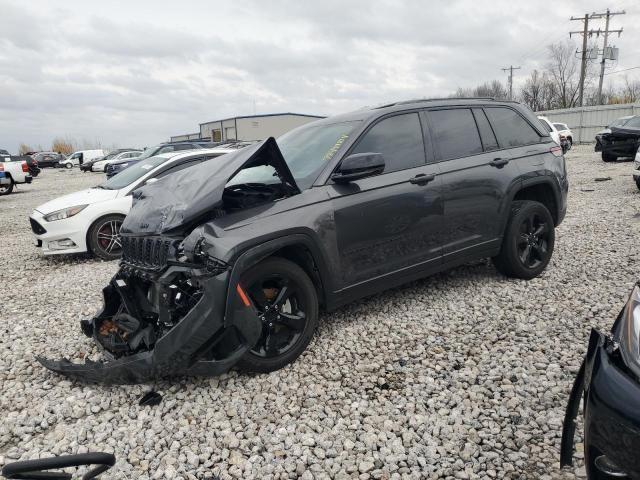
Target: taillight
(1, 167)
(25, 167)
(556, 151)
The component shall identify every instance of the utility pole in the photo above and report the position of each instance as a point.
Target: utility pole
(583, 65)
(606, 15)
(510, 69)
(586, 31)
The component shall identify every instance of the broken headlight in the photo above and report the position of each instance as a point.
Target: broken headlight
(628, 332)
(201, 254)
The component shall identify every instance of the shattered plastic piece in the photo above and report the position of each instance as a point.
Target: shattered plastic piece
(150, 399)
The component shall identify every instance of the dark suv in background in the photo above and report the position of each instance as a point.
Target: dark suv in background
(229, 262)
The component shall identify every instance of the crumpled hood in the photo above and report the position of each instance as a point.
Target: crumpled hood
(88, 196)
(179, 198)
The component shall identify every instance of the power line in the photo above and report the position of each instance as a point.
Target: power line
(510, 69)
(620, 71)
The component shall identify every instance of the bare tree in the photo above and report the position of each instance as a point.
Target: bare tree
(631, 90)
(488, 89)
(564, 73)
(538, 91)
(24, 148)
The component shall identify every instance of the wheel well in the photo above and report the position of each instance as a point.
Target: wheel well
(302, 256)
(542, 193)
(96, 221)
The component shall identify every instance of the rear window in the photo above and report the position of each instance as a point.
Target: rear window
(454, 133)
(511, 129)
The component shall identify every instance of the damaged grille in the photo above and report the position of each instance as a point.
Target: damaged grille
(150, 253)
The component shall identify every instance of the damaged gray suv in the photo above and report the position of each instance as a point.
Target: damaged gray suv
(228, 263)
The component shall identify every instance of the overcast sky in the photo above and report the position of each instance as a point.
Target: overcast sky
(132, 73)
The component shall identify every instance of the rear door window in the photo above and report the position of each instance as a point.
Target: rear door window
(398, 139)
(454, 133)
(511, 129)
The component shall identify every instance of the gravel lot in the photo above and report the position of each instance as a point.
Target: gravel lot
(462, 375)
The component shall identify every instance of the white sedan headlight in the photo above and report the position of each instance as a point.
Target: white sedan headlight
(628, 332)
(64, 213)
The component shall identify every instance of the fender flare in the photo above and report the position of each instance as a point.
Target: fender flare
(521, 184)
(257, 253)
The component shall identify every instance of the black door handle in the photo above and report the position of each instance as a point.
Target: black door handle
(422, 179)
(499, 162)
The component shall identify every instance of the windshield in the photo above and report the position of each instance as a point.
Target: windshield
(131, 174)
(560, 126)
(632, 123)
(110, 156)
(306, 150)
(619, 122)
(149, 152)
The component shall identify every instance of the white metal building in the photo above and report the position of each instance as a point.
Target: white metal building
(253, 127)
(186, 136)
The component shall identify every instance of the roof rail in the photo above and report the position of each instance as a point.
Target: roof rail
(420, 100)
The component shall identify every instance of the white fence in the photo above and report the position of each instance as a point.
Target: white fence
(585, 122)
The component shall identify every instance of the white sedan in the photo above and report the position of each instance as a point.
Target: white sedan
(90, 220)
(101, 165)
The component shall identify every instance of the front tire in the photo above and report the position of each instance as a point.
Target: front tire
(608, 157)
(287, 303)
(528, 241)
(104, 237)
(7, 189)
(68, 166)
(638, 183)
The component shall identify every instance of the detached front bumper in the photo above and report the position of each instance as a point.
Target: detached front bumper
(208, 340)
(611, 414)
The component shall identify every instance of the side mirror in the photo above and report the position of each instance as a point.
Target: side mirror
(357, 166)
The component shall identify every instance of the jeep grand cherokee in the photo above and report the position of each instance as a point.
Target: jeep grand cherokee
(228, 263)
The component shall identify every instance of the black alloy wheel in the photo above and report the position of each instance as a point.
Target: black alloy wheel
(533, 241)
(528, 240)
(104, 237)
(287, 305)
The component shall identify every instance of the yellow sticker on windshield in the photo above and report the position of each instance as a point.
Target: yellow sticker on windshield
(332, 151)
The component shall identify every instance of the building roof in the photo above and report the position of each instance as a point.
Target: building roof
(264, 115)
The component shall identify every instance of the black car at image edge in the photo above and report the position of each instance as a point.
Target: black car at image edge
(609, 382)
(229, 263)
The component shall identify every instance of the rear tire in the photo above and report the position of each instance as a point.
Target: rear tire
(638, 183)
(7, 189)
(104, 237)
(608, 157)
(529, 238)
(570, 142)
(287, 301)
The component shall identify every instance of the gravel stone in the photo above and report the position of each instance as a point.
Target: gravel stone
(462, 375)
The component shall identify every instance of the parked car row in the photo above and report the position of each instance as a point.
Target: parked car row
(90, 220)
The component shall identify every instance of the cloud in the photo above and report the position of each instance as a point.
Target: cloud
(134, 73)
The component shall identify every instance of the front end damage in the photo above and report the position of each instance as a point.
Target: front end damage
(175, 308)
(157, 324)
